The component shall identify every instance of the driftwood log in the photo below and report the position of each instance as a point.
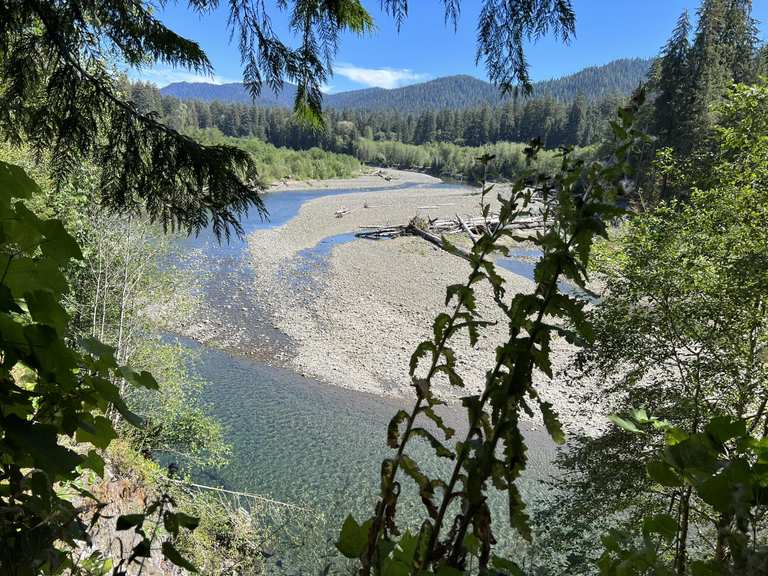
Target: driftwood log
(433, 230)
(437, 241)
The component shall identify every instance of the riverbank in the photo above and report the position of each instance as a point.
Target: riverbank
(370, 178)
(355, 315)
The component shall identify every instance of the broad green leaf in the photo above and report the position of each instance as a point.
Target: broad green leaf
(448, 571)
(662, 524)
(26, 275)
(94, 462)
(142, 379)
(663, 473)
(44, 308)
(39, 442)
(724, 428)
(15, 182)
(353, 540)
(58, 244)
(96, 430)
(707, 568)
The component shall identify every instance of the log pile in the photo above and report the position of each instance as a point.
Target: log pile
(474, 227)
(381, 232)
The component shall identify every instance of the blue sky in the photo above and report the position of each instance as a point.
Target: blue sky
(426, 48)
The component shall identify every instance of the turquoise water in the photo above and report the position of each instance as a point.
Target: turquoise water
(301, 441)
(522, 261)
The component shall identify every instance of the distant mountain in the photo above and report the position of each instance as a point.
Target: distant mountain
(455, 92)
(232, 92)
(596, 82)
(449, 92)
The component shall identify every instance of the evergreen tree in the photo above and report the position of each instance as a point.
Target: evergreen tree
(574, 128)
(722, 53)
(673, 106)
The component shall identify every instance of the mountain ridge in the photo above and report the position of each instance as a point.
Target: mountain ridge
(447, 92)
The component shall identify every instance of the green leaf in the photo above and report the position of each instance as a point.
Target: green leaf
(58, 244)
(143, 379)
(664, 474)
(128, 521)
(44, 308)
(430, 413)
(15, 182)
(437, 446)
(552, 422)
(517, 515)
(441, 321)
(353, 540)
(421, 351)
(448, 571)
(625, 424)
(36, 445)
(662, 524)
(411, 468)
(724, 428)
(393, 430)
(708, 568)
(94, 462)
(505, 566)
(26, 275)
(170, 552)
(96, 430)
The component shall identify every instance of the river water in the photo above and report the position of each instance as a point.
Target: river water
(294, 439)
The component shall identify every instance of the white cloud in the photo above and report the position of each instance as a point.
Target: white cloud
(327, 88)
(379, 77)
(164, 76)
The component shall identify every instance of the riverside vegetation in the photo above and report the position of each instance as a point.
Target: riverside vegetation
(675, 484)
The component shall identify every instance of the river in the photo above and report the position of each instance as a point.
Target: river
(294, 439)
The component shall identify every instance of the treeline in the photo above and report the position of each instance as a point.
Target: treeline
(457, 162)
(555, 122)
(273, 163)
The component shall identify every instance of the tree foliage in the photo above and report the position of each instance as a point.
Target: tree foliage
(56, 399)
(681, 332)
(457, 526)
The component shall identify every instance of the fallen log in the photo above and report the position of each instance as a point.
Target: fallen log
(466, 228)
(437, 241)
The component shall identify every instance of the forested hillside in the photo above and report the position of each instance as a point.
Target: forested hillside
(620, 77)
(554, 122)
(596, 82)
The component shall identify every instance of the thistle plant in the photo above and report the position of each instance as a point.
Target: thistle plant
(456, 531)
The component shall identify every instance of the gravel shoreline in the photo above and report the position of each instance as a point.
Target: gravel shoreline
(373, 178)
(355, 317)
